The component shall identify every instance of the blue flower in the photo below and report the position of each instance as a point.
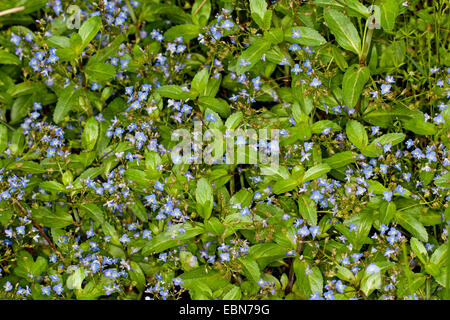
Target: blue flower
(303, 232)
(372, 268)
(314, 231)
(387, 195)
(45, 290)
(58, 288)
(385, 88)
(15, 39)
(296, 34)
(227, 24)
(124, 238)
(159, 186)
(315, 83)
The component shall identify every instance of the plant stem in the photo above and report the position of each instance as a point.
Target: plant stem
(132, 14)
(199, 7)
(292, 271)
(368, 40)
(43, 234)
(13, 10)
(232, 184)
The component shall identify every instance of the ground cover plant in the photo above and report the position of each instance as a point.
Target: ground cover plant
(354, 203)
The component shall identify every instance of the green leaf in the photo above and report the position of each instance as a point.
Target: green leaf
(320, 125)
(316, 171)
(89, 29)
(17, 141)
(234, 120)
(59, 42)
(274, 35)
(265, 253)
(252, 55)
(307, 209)
(171, 238)
(277, 171)
(387, 212)
(418, 126)
(200, 81)
(137, 176)
(93, 211)
(353, 83)
(419, 250)
(376, 146)
(66, 102)
(39, 266)
(89, 173)
(187, 31)
(75, 280)
(339, 58)
(343, 30)
(174, 92)
(443, 181)
(260, 14)
(389, 12)
(139, 210)
(109, 230)
(90, 134)
(364, 225)
(389, 138)
(21, 107)
(100, 71)
(204, 198)
(212, 279)
(188, 260)
(258, 7)
(393, 56)
(308, 284)
(412, 225)
(439, 256)
(352, 7)
(214, 226)
(376, 187)
(201, 16)
(233, 294)
(25, 264)
(250, 268)
(215, 104)
(356, 134)
(8, 58)
(309, 37)
(3, 138)
(52, 186)
(340, 159)
(27, 167)
(370, 282)
(52, 219)
(283, 186)
(137, 275)
(5, 217)
(344, 274)
(355, 5)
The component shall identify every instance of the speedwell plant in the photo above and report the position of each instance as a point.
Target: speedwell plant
(229, 149)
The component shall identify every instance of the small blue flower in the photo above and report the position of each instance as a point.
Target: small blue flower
(372, 268)
(387, 195)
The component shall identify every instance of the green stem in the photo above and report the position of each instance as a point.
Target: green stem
(428, 289)
(406, 267)
(232, 185)
(368, 40)
(7, 125)
(132, 14)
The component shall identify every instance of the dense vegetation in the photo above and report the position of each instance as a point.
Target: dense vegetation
(93, 206)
